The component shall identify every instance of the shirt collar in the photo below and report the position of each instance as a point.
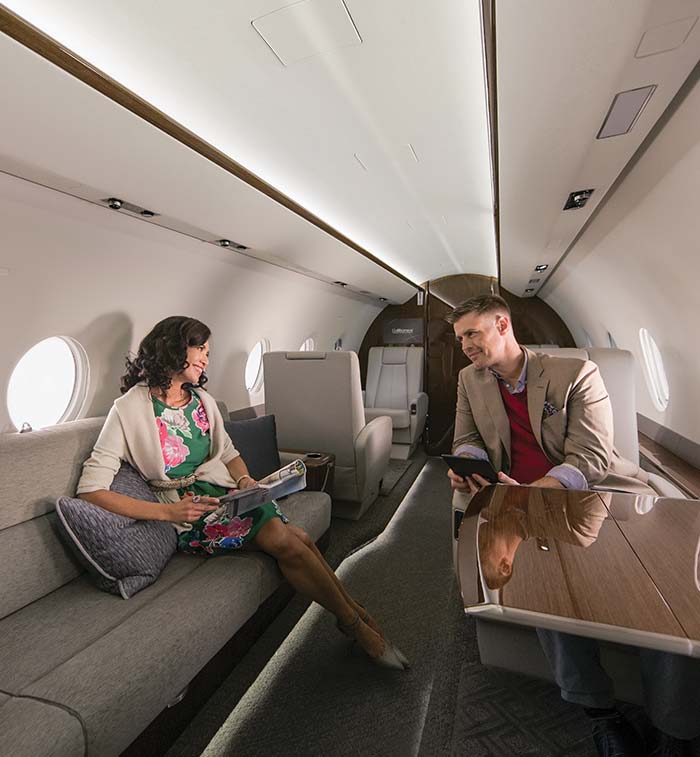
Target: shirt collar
(520, 383)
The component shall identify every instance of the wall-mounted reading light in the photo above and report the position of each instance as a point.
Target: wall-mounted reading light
(578, 198)
(340, 284)
(115, 203)
(540, 268)
(625, 110)
(382, 299)
(527, 291)
(229, 243)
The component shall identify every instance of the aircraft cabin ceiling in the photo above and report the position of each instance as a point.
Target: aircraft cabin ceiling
(370, 115)
(560, 64)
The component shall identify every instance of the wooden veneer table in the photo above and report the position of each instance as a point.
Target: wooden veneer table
(608, 565)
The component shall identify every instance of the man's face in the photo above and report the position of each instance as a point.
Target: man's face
(483, 337)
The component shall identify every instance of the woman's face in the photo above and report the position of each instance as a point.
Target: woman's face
(198, 359)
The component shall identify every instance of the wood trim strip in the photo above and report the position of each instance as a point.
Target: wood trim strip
(488, 34)
(51, 50)
(679, 472)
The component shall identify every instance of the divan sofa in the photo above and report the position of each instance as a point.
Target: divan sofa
(84, 672)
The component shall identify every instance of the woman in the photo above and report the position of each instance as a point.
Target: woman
(172, 432)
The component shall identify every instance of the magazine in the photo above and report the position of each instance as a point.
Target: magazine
(287, 480)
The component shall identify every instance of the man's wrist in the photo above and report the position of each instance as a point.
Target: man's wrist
(548, 482)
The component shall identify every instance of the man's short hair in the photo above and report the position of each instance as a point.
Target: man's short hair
(484, 303)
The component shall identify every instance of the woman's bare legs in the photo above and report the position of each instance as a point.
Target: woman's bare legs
(314, 579)
(301, 534)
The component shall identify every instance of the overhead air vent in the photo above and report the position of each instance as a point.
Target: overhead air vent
(625, 110)
(578, 198)
(307, 28)
(117, 204)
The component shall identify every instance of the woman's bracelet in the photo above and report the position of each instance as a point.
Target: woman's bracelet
(238, 480)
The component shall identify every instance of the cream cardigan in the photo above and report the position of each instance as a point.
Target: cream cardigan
(130, 433)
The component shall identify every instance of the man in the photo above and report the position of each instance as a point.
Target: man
(547, 422)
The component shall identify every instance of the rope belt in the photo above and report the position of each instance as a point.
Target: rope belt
(172, 483)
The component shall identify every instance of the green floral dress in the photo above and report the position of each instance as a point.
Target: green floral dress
(185, 441)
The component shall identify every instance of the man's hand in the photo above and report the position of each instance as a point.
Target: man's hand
(457, 482)
(476, 483)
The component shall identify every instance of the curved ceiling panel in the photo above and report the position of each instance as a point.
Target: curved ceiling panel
(385, 139)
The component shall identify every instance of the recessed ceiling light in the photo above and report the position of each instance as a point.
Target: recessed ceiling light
(382, 299)
(625, 110)
(543, 267)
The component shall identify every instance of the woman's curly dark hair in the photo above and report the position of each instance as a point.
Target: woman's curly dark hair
(163, 352)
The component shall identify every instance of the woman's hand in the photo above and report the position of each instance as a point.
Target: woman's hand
(190, 508)
(246, 482)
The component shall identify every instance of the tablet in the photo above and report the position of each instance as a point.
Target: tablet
(468, 466)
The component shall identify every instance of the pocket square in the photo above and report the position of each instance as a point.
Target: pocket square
(549, 410)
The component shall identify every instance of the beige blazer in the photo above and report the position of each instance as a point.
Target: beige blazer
(579, 433)
(130, 433)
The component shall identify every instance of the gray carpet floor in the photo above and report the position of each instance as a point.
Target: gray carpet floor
(396, 469)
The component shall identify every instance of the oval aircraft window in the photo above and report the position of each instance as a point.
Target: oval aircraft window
(308, 345)
(655, 373)
(49, 383)
(253, 366)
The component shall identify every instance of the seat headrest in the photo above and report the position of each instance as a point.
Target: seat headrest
(305, 355)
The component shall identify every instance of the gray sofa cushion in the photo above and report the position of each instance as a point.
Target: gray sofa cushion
(121, 554)
(256, 440)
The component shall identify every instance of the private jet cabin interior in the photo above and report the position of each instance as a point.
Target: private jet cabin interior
(321, 183)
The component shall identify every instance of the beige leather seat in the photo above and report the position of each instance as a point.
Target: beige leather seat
(395, 388)
(618, 371)
(316, 398)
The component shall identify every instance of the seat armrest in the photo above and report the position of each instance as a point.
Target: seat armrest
(664, 488)
(287, 457)
(372, 451)
(419, 406)
(420, 403)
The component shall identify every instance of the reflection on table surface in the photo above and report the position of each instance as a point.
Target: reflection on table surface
(591, 557)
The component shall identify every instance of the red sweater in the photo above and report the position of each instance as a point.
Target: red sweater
(527, 460)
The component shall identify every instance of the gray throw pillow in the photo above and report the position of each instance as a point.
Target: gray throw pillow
(256, 440)
(122, 555)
